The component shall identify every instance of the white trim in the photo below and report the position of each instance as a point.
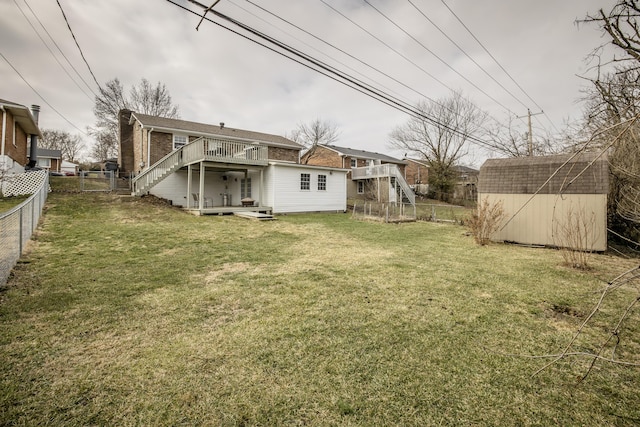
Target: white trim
(4, 129)
(173, 140)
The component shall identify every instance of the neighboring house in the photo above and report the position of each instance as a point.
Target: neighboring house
(416, 173)
(466, 187)
(372, 175)
(18, 124)
(216, 169)
(50, 160)
(69, 167)
(544, 197)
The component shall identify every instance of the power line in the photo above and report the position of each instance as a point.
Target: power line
(322, 41)
(402, 56)
(437, 57)
(49, 49)
(78, 45)
(344, 52)
(328, 71)
(466, 54)
(41, 97)
(499, 64)
(389, 46)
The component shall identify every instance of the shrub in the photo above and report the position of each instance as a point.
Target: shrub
(485, 220)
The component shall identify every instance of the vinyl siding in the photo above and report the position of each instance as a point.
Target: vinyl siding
(540, 221)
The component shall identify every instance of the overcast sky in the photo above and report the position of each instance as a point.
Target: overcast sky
(215, 76)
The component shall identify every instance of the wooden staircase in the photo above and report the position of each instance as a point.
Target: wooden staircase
(203, 149)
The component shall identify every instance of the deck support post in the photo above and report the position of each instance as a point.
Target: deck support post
(189, 177)
(201, 190)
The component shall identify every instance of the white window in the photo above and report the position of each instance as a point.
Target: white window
(354, 163)
(245, 190)
(44, 163)
(322, 182)
(360, 187)
(305, 181)
(179, 141)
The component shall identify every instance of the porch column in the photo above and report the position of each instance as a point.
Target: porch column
(189, 176)
(201, 195)
(261, 186)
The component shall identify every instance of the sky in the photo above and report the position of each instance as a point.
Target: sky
(215, 75)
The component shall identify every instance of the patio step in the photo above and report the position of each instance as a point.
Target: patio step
(255, 215)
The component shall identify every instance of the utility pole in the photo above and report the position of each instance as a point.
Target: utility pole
(530, 135)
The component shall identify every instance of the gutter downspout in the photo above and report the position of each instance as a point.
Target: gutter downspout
(141, 164)
(4, 130)
(33, 155)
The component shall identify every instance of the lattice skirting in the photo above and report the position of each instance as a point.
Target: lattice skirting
(23, 184)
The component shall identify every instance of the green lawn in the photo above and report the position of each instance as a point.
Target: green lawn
(128, 312)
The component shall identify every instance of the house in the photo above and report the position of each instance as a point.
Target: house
(69, 167)
(466, 187)
(546, 197)
(19, 127)
(217, 169)
(372, 176)
(50, 160)
(416, 173)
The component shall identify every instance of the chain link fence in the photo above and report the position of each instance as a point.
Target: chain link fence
(386, 212)
(98, 181)
(17, 225)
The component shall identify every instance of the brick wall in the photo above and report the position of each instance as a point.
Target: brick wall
(138, 155)
(125, 155)
(416, 173)
(324, 157)
(161, 145)
(17, 152)
(285, 154)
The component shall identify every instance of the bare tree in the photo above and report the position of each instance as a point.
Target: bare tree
(612, 101)
(104, 147)
(612, 124)
(512, 141)
(310, 135)
(70, 145)
(443, 141)
(144, 98)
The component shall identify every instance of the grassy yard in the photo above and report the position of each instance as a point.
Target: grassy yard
(127, 312)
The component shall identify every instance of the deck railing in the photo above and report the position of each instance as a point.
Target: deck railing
(386, 170)
(199, 150)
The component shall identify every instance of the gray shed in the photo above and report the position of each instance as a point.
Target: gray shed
(543, 197)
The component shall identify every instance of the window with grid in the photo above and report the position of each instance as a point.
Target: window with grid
(360, 187)
(322, 182)
(354, 163)
(179, 141)
(305, 181)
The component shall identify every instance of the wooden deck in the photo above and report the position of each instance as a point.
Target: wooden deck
(229, 210)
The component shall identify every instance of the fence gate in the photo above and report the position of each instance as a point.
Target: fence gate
(98, 181)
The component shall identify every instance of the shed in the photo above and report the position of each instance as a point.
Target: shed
(542, 196)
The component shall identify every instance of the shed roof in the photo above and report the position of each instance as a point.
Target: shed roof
(203, 129)
(362, 154)
(584, 173)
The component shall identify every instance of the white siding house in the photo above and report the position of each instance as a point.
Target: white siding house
(302, 188)
(281, 188)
